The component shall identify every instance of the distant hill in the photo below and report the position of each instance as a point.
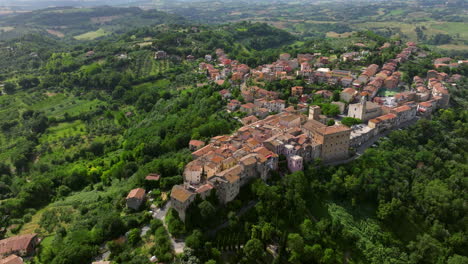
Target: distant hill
(82, 23)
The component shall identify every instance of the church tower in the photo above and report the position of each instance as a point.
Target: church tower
(314, 112)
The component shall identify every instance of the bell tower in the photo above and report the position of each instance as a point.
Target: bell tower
(314, 112)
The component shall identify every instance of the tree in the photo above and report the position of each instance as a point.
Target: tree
(195, 240)
(134, 237)
(253, 249)
(207, 210)
(350, 121)
(9, 87)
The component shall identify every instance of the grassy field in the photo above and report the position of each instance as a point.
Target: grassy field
(92, 35)
(66, 129)
(332, 34)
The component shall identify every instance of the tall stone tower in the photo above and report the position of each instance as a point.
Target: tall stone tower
(314, 112)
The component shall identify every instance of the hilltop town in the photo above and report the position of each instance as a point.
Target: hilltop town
(137, 136)
(272, 129)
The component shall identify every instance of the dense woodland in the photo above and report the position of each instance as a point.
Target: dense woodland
(79, 130)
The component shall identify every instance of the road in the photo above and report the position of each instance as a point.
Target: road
(160, 213)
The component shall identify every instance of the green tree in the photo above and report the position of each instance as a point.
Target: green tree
(253, 249)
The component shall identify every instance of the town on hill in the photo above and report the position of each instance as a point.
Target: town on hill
(234, 132)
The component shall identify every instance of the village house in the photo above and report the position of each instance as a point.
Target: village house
(226, 94)
(181, 198)
(262, 112)
(348, 95)
(249, 120)
(196, 145)
(193, 172)
(276, 105)
(23, 245)
(233, 105)
(135, 198)
(152, 180)
(247, 108)
(346, 81)
(382, 123)
(425, 109)
(404, 97)
(404, 114)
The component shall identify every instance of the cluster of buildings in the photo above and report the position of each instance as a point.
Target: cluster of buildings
(225, 68)
(13, 249)
(448, 62)
(430, 94)
(230, 161)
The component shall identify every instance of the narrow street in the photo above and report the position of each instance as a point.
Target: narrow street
(160, 213)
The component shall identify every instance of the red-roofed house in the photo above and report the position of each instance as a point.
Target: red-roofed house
(135, 198)
(348, 94)
(248, 108)
(195, 145)
(23, 245)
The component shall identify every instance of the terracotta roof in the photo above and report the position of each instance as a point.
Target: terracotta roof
(137, 193)
(349, 91)
(232, 178)
(15, 244)
(327, 130)
(248, 105)
(153, 177)
(202, 151)
(217, 159)
(402, 109)
(383, 118)
(248, 160)
(180, 193)
(204, 188)
(196, 143)
(12, 259)
(425, 104)
(290, 118)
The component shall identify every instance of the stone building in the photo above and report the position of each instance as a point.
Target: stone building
(181, 198)
(348, 95)
(295, 163)
(334, 139)
(364, 110)
(135, 198)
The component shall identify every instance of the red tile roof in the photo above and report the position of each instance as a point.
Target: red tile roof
(137, 193)
(153, 177)
(196, 143)
(16, 244)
